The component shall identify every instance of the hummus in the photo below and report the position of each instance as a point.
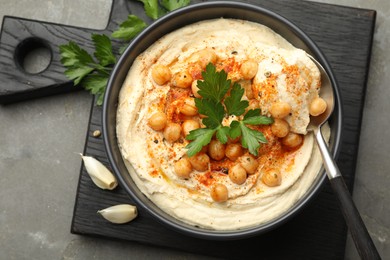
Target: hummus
(283, 73)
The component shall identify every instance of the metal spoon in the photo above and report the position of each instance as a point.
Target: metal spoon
(358, 230)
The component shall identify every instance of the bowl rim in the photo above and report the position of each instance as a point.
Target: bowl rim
(153, 210)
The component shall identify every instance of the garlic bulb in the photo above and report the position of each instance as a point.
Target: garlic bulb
(119, 214)
(99, 174)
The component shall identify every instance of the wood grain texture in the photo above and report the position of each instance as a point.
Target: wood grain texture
(318, 232)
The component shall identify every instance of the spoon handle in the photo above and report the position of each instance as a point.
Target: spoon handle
(363, 242)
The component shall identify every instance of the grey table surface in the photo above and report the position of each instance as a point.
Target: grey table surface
(40, 141)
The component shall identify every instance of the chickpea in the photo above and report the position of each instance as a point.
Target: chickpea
(195, 89)
(237, 174)
(247, 85)
(292, 140)
(189, 125)
(216, 150)
(204, 57)
(249, 163)
(172, 132)
(158, 121)
(200, 162)
(317, 106)
(280, 128)
(189, 107)
(182, 79)
(253, 104)
(233, 151)
(249, 69)
(271, 178)
(183, 168)
(195, 70)
(280, 109)
(161, 74)
(219, 193)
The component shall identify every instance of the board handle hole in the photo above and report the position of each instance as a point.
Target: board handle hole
(33, 55)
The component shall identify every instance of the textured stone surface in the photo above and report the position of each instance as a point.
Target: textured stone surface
(40, 139)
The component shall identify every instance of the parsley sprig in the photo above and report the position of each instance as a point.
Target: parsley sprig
(81, 67)
(92, 71)
(129, 28)
(215, 106)
(155, 8)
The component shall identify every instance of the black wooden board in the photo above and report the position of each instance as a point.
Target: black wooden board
(318, 232)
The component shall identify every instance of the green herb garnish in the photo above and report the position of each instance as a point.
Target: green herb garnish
(153, 9)
(82, 68)
(171, 5)
(92, 71)
(216, 106)
(250, 138)
(129, 29)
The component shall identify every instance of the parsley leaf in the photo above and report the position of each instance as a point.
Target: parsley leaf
(213, 110)
(129, 29)
(72, 55)
(222, 134)
(171, 5)
(234, 104)
(103, 49)
(83, 69)
(215, 84)
(78, 73)
(251, 139)
(96, 84)
(152, 8)
(235, 129)
(200, 137)
(253, 117)
(155, 9)
(77, 62)
(213, 122)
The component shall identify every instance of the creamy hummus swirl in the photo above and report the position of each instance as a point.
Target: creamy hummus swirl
(285, 74)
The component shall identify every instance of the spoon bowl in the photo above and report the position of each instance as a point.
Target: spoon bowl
(326, 94)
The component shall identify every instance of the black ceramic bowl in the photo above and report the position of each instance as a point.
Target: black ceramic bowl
(173, 21)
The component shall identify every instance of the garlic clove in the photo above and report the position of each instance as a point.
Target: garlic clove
(119, 214)
(99, 174)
